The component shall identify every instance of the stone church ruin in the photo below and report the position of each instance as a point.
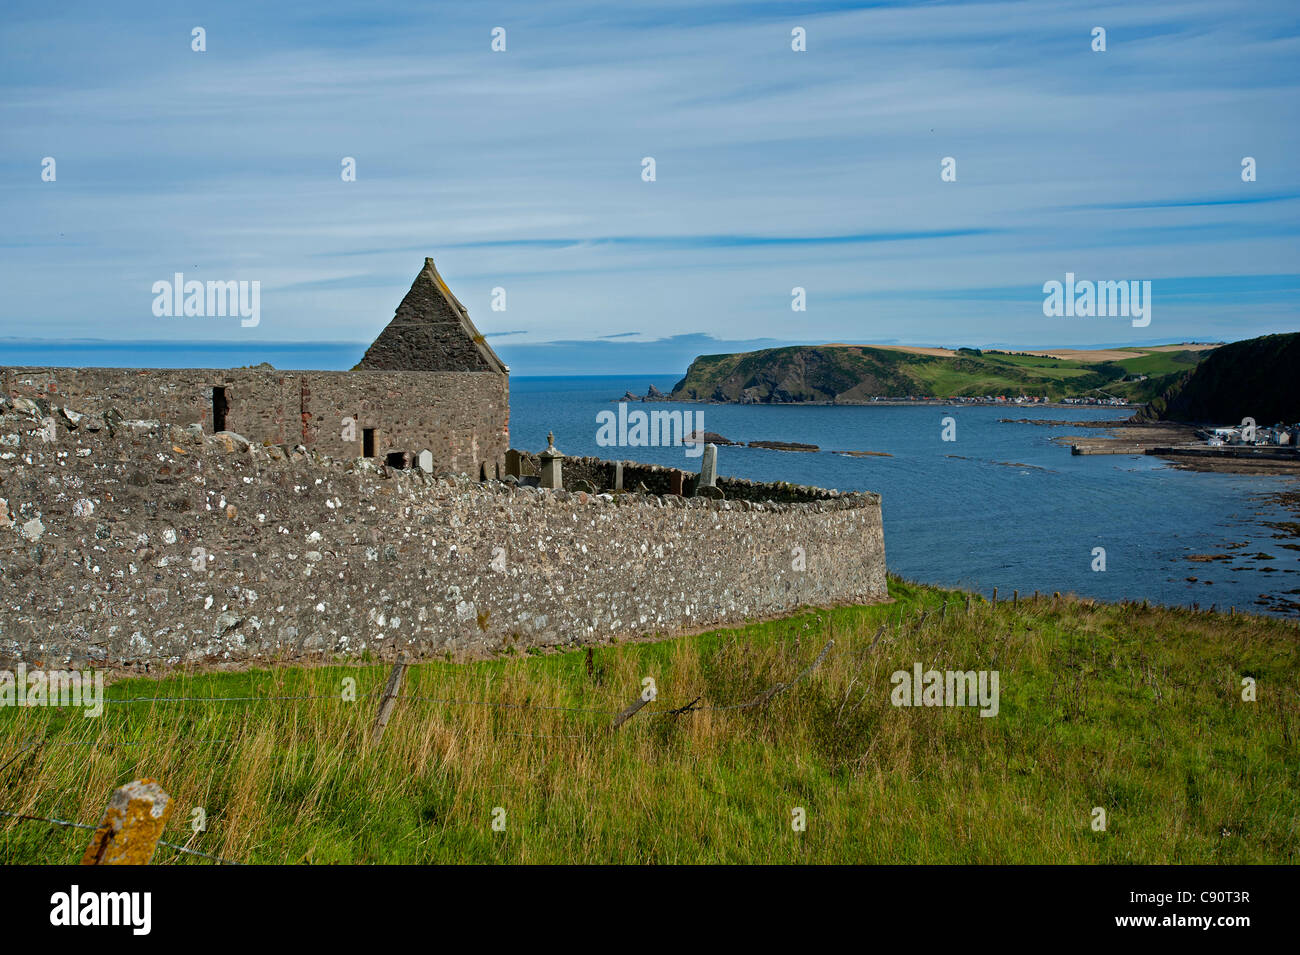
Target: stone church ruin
(196, 517)
(429, 386)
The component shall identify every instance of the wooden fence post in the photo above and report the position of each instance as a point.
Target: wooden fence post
(388, 700)
(630, 712)
(968, 605)
(1015, 599)
(132, 823)
(995, 597)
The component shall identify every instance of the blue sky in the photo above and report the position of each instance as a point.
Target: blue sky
(774, 169)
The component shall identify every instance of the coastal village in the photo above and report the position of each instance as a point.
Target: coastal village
(1089, 400)
(1243, 448)
(1278, 435)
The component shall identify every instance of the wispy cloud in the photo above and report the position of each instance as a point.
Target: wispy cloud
(1237, 200)
(774, 169)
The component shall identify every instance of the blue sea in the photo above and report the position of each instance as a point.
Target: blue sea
(1001, 506)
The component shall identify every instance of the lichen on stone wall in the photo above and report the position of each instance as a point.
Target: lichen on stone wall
(128, 542)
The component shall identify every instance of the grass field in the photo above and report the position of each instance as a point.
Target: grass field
(1137, 711)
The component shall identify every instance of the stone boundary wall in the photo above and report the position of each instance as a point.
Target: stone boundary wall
(125, 543)
(461, 417)
(657, 479)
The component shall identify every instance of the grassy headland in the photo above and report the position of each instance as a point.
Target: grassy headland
(1136, 710)
(858, 373)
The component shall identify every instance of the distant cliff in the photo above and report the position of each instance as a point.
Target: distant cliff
(798, 373)
(1257, 378)
(859, 373)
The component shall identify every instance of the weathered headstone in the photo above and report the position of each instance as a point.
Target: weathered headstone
(514, 463)
(709, 467)
(675, 482)
(552, 467)
(426, 461)
(618, 475)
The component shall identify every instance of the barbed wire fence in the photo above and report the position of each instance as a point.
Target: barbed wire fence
(902, 625)
(82, 825)
(388, 699)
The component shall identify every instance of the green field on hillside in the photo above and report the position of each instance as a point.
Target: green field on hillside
(1136, 711)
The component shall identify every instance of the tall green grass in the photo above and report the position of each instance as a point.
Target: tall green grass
(1134, 710)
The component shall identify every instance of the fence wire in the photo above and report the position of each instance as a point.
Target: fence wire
(23, 817)
(661, 711)
(227, 699)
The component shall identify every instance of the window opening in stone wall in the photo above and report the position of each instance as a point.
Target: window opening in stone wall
(367, 442)
(219, 408)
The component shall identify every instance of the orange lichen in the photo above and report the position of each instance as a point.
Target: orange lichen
(136, 815)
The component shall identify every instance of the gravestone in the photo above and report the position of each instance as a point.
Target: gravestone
(708, 467)
(675, 482)
(426, 461)
(618, 475)
(552, 464)
(514, 464)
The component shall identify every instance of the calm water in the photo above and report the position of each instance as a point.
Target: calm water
(1000, 507)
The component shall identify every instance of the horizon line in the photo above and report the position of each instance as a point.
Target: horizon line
(185, 343)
